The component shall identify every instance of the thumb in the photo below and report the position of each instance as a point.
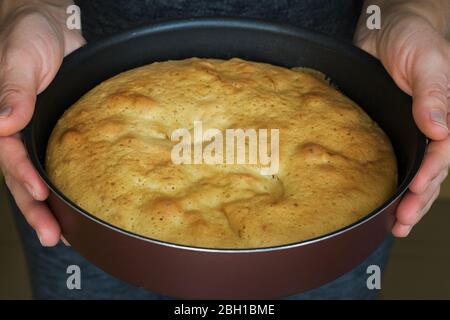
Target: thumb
(18, 91)
(430, 90)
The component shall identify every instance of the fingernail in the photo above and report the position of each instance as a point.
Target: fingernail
(402, 230)
(40, 239)
(30, 190)
(66, 243)
(440, 118)
(5, 111)
(407, 230)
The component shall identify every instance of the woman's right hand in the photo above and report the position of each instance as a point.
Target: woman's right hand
(33, 42)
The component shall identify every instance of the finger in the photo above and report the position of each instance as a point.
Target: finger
(436, 160)
(411, 208)
(30, 57)
(430, 96)
(401, 230)
(36, 213)
(430, 202)
(18, 91)
(15, 163)
(66, 243)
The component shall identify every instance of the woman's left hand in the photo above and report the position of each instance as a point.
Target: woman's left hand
(417, 56)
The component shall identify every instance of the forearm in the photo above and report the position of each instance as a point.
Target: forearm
(435, 12)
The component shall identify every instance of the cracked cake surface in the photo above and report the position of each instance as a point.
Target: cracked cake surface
(110, 153)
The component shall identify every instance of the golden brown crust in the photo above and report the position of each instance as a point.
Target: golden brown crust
(110, 154)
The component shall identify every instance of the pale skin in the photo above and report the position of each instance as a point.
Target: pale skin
(410, 44)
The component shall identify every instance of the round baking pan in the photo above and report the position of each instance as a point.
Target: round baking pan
(189, 272)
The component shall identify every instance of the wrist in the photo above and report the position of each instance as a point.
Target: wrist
(55, 12)
(8, 8)
(435, 12)
(400, 20)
